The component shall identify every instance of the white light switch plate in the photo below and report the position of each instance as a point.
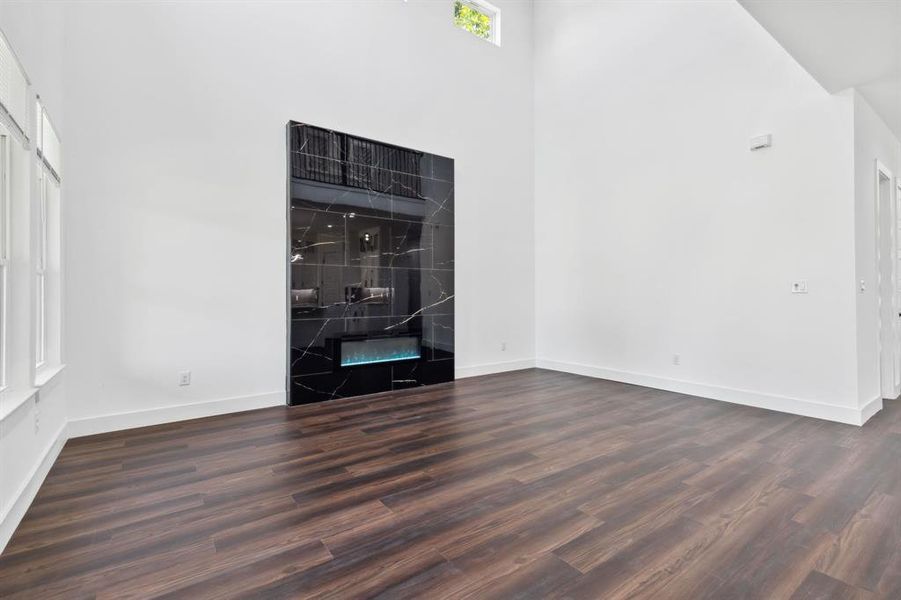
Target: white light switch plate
(799, 287)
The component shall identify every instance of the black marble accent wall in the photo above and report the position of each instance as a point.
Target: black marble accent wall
(371, 254)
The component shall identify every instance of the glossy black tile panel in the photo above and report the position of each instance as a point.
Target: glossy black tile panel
(371, 254)
(312, 348)
(410, 245)
(423, 291)
(439, 168)
(440, 238)
(440, 334)
(340, 384)
(436, 204)
(412, 324)
(415, 374)
(406, 375)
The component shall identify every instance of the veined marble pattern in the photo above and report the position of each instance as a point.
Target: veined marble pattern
(372, 254)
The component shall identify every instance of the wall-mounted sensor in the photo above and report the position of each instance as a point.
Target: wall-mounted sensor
(761, 141)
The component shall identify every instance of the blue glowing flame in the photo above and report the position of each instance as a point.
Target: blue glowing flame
(374, 351)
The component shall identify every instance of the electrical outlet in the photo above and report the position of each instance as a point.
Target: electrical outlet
(863, 286)
(184, 378)
(799, 287)
(37, 415)
(677, 360)
(503, 346)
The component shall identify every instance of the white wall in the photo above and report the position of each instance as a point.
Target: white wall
(660, 233)
(31, 438)
(873, 140)
(32, 421)
(176, 183)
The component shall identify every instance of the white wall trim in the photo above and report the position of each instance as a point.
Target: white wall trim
(171, 414)
(16, 400)
(489, 368)
(29, 489)
(883, 172)
(869, 409)
(796, 406)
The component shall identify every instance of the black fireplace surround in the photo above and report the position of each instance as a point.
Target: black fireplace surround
(371, 257)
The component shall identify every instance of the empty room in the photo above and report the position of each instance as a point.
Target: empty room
(445, 299)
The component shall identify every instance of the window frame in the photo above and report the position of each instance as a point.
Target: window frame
(40, 272)
(5, 250)
(489, 10)
(47, 251)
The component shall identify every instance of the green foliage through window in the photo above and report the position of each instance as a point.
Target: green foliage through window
(468, 18)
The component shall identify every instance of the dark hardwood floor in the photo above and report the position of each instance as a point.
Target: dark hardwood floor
(531, 484)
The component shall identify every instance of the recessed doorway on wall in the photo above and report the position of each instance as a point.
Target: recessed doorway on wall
(886, 256)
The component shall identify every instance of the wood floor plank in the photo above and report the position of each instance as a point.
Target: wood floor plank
(818, 586)
(529, 484)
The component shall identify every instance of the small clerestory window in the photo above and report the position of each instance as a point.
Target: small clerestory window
(479, 18)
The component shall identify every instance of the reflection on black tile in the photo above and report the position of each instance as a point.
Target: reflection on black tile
(423, 291)
(317, 291)
(368, 291)
(320, 291)
(339, 199)
(410, 209)
(368, 241)
(317, 238)
(408, 247)
(385, 243)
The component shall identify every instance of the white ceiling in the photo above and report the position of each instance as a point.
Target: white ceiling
(842, 43)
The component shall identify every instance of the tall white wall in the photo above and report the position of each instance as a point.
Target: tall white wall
(873, 140)
(32, 420)
(660, 233)
(176, 183)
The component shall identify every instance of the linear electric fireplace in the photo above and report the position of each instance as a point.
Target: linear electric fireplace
(371, 261)
(355, 352)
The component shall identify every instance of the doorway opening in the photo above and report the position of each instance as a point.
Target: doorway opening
(886, 256)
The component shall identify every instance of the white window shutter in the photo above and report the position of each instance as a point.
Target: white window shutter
(13, 86)
(49, 144)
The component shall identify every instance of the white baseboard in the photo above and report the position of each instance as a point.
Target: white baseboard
(796, 406)
(29, 489)
(869, 409)
(169, 414)
(489, 368)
